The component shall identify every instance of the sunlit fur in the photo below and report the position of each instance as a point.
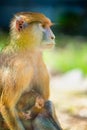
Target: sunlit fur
(22, 67)
(28, 37)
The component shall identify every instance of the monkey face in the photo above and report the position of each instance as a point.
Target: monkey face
(48, 38)
(32, 30)
(41, 35)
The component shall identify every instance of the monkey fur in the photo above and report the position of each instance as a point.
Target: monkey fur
(22, 69)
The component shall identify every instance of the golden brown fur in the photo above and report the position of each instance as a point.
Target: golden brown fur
(21, 65)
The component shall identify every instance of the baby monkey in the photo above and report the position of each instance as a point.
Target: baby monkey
(22, 68)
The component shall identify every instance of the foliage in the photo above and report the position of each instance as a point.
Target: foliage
(4, 39)
(70, 23)
(71, 54)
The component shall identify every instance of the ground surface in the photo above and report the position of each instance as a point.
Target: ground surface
(70, 101)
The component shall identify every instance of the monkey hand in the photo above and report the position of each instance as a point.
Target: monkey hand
(39, 102)
(37, 108)
(27, 115)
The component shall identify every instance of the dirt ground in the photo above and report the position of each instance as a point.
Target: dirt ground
(71, 106)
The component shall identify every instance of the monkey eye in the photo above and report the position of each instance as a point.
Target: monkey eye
(43, 26)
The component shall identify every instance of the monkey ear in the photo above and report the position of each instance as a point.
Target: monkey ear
(20, 23)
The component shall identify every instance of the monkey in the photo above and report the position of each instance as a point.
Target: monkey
(45, 120)
(22, 68)
(46, 115)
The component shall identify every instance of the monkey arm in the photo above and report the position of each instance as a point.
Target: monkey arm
(11, 92)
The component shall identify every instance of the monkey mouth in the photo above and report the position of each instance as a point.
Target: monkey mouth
(47, 46)
(50, 45)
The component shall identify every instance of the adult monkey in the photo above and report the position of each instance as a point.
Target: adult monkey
(22, 68)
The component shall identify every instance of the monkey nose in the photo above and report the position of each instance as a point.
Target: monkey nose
(53, 37)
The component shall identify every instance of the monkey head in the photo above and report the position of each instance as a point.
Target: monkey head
(30, 30)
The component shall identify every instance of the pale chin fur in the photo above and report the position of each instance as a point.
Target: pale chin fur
(47, 45)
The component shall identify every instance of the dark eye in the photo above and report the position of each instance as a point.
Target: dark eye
(43, 26)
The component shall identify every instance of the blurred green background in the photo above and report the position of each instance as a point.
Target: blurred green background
(67, 61)
(70, 28)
